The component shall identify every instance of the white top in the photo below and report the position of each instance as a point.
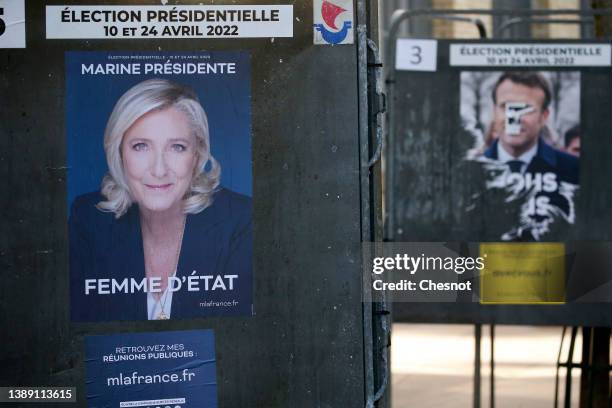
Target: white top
(154, 306)
(504, 157)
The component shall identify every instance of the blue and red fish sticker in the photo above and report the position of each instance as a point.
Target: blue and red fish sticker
(333, 22)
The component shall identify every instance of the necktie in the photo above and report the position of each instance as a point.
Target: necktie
(515, 166)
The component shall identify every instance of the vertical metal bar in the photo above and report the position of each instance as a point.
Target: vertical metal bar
(586, 32)
(492, 384)
(594, 384)
(364, 173)
(591, 366)
(420, 28)
(477, 378)
(381, 319)
(599, 392)
(558, 367)
(518, 32)
(585, 373)
(376, 332)
(396, 19)
(378, 93)
(568, 377)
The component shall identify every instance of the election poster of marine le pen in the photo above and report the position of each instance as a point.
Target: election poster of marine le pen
(160, 185)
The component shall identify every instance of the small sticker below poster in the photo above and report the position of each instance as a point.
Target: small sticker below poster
(176, 369)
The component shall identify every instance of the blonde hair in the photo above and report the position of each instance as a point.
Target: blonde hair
(156, 95)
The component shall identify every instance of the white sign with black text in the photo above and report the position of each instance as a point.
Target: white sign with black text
(123, 22)
(416, 55)
(530, 55)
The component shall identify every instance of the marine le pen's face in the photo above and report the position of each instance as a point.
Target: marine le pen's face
(159, 156)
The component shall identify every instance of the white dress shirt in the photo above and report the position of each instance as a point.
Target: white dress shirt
(154, 306)
(504, 157)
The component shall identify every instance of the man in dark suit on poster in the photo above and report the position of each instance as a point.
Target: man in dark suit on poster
(535, 171)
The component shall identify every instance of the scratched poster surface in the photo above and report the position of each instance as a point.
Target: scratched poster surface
(485, 150)
(333, 22)
(526, 135)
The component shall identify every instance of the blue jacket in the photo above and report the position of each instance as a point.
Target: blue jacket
(217, 241)
(547, 160)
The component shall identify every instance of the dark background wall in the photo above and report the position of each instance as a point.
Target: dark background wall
(304, 346)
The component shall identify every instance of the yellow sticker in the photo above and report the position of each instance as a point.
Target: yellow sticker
(523, 273)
